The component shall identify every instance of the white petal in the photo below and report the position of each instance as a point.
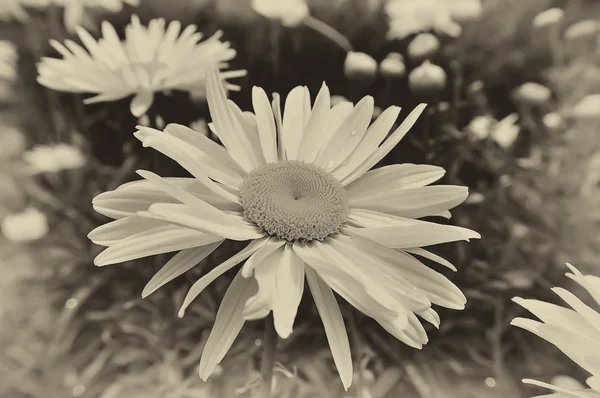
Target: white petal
(267, 129)
(431, 256)
(260, 255)
(164, 239)
(294, 115)
(219, 270)
(178, 265)
(563, 393)
(386, 147)
(228, 324)
(115, 231)
(276, 104)
(141, 103)
(589, 314)
(312, 141)
(334, 326)
(347, 137)
(259, 305)
(414, 202)
(288, 291)
(394, 178)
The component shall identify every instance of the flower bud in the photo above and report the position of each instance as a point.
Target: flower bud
(532, 94)
(582, 29)
(423, 46)
(549, 17)
(359, 66)
(338, 99)
(392, 67)
(427, 79)
(465, 10)
(588, 107)
(26, 226)
(552, 120)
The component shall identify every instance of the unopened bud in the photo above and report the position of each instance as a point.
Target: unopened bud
(359, 66)
(533, 94)
(427, 79)
(392, 67)
(548, 17)
(552, 120)
(423, 46)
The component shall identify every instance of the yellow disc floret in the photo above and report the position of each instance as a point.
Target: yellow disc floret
(294, 200)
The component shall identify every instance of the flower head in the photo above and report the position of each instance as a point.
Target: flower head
(53, 158)
(392, 66)
(548, 17)
(295, 184)
(358, 65)
(151, 59)
(575, 331)
(410, 16)
(290, 12)
(25, 226)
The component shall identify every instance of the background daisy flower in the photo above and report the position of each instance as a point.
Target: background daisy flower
(575, 331)
(297, 185)
(53, 158)
(153, 58)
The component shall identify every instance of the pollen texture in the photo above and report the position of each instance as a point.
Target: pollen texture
(294, 201)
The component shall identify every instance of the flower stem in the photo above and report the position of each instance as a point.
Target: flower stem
(329, 32)
(268, 359)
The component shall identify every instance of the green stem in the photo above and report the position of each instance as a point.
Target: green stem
(268, 359)
(329, 32)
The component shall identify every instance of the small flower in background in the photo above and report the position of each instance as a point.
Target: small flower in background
(12, 10)
(291, 13)
(410, 16)
(548, 17)
(53, 158)
(423, 46)
(583, 29)
(74, 10)
(8, 61)
(296, 184)
(575, 331)
(359, 66)
(480, 126)
(392, 66)
(552, 120)
(25, 226)
(150, 59)
(12, 142)
(532, 94)
(506, 131)
(427, 80)
(587, 107)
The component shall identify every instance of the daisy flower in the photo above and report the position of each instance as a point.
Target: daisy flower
(150, 59)
(25, 226)
(410, 16)
(290, 12)
(74, 10)
(575, 331)
(53, 158)
(297, 185)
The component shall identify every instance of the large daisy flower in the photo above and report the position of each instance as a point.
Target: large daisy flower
(150, 59)
(295, 184)
(575, 331)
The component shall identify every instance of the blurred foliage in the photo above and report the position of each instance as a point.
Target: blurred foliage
(78, 330)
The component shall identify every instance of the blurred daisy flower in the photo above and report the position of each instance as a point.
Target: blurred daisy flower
(548, 17)
(290, 12)
(504, 132)
(11, 10)
(575, 331)
(150, 59)
(53, 158)
(74, 10)
(295, 184)
(410, 16)
(8, 61)
(25, 226)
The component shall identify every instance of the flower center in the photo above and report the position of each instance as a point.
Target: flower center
(294, 201)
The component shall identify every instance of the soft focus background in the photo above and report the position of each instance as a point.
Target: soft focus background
(516, 120)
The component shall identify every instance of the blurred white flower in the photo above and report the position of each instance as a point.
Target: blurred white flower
(423, 46)
(12, 142)
(548, 17)
(480, 126)
(358, 65)
(552, 120)
(11, 10)
(8, 60)
(53, 158)
(427, 79)
(411, 16)
(465, 10)
(150, 59)
(588, 107)
(575, 331)
(200, 126)
(506, 131)
(74, 10)
(583, 28)
(392, 66)
(26, 226)
(533, 94)
(290, 12)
